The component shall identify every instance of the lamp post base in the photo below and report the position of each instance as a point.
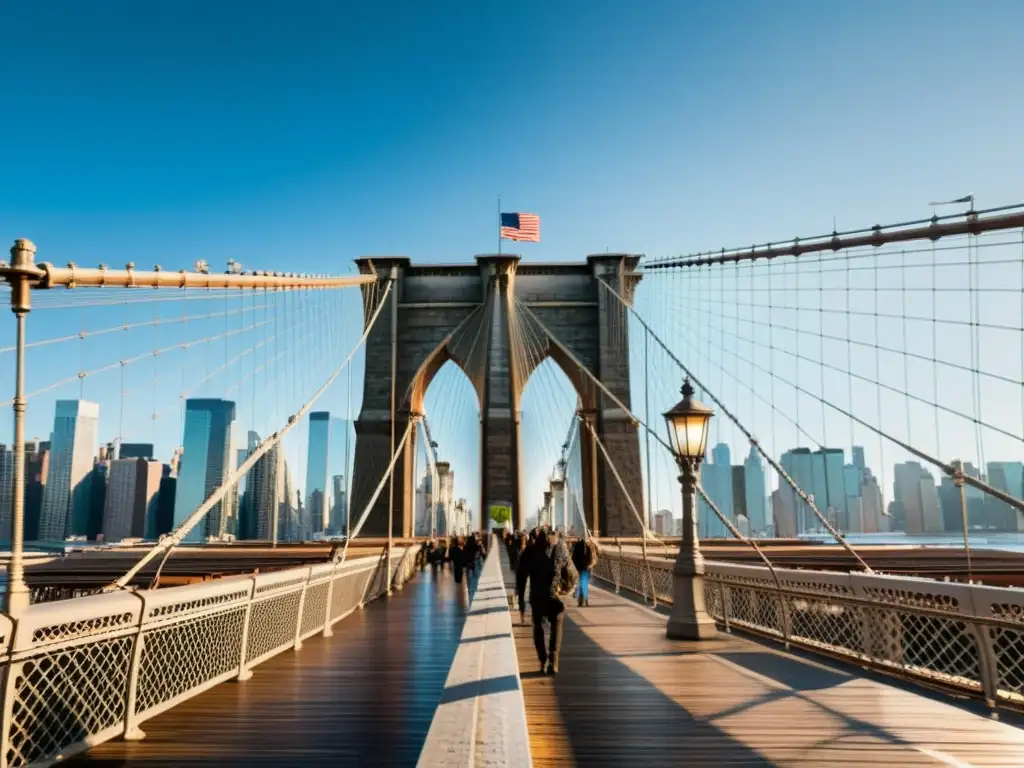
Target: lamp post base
(692, 628)
(689, 620)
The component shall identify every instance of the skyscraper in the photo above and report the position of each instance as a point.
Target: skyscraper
(131, 499)
(423, 503)
(716, 476)
(6, 490)
(1006, 476)
(914, 491)
(66, 497)
(36, 461)
(289, 509)
(952, 509)
(98, 494)
(261, 502)
(443, 500)
(339, 506)
(317, 457)
(873, 517)
(784, 512)
(205, 463)
(799, 465)
(857, 457)
(37, 466)
(819, 474)
(829, 490)
(754, 489)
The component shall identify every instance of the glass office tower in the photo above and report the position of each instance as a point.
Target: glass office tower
(205, 463)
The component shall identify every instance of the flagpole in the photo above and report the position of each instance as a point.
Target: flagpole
(499, 225)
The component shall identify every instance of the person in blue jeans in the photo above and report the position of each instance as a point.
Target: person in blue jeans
(584, 557)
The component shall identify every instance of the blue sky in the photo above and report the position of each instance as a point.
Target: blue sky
(309, 134)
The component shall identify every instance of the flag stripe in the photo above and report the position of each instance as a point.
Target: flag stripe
(524, 227)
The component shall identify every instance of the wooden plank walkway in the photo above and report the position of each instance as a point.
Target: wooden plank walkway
(626, 695)
(365, 696)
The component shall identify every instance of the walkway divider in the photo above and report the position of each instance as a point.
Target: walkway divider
(481, 719)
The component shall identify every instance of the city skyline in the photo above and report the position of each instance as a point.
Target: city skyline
(838, 481)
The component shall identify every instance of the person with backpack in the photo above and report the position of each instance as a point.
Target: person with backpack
(584, 557)
(552, 576)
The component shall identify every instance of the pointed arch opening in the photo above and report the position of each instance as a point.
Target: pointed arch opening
(444, 394)
(548, 405)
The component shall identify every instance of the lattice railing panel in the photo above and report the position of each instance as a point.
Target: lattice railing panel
(713, 600)
(935, 647)
(64, 696)
(1008, 649)
(272, 624)
(182, 657)
(826, 624)
(348, 590)
(756, 609)
(314, 608)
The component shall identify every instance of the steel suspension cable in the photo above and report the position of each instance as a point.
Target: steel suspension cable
(175, 537)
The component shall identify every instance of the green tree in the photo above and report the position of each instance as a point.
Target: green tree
(501, 515)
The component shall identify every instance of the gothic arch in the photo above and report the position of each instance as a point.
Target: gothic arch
(466, 313)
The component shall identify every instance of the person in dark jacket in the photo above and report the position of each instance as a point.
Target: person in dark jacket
(584, 557)
(515, 550)
(544, 565)
(523, 573)
(469, 554)
(457, 557)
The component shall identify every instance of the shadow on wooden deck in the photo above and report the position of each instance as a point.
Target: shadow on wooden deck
(365, 696)
(626, 695)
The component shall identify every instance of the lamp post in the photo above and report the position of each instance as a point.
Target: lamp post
(687, 423)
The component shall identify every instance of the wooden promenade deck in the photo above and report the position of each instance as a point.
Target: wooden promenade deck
(365, 696)
(626, 695)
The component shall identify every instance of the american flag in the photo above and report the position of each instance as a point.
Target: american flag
(520, 226)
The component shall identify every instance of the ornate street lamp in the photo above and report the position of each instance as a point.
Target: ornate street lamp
(687, 423)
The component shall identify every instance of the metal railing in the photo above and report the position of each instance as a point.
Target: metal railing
(79, 672)
(957, 637)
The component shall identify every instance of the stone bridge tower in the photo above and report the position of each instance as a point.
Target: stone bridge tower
(471, 314)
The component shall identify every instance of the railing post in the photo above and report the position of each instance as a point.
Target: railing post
(726, 605)
(397, 577)
(988, 666)
(618, 572)
(244, 673)
(328, 632)
(298, 618)
(784, 617)
(132, 732)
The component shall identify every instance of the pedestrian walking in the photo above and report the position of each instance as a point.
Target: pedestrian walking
(552, 577)
(584, 557)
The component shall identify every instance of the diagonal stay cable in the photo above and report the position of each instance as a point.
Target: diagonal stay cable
(948, 469)
(647, 532)
(746, 432)
(175, 537)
